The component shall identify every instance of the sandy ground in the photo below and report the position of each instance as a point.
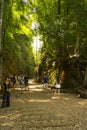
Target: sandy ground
(38, 109)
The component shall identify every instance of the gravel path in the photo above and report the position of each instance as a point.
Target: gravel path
(37, 109)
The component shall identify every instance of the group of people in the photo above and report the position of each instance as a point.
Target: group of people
(24, 82)
(21, 81)
(8, 84)
(56, 83)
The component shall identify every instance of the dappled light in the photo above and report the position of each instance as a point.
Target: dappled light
(43, 64)
(66, 98)
(83, 103)
(42, 108)
(36, 90)
(55, 97)
(10, 117)
(38, 100)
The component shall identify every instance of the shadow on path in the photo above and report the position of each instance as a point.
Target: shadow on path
(38, 109)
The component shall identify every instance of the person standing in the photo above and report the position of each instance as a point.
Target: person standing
(57, 85)
(26, 82)
(6, 94)
(22, 83)
(14, 81)
(45, 82)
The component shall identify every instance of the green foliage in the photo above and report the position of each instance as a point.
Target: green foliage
(63, 29)
(17, 52)
(62, 25)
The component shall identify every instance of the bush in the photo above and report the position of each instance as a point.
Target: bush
(70, 84)
(83, 94)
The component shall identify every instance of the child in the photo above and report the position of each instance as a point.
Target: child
(57, 85)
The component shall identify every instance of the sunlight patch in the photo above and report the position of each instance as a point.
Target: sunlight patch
(33, 100)
(55, 97)
(83, 103)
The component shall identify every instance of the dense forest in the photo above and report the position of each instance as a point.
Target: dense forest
(16, 52)
(61, 26)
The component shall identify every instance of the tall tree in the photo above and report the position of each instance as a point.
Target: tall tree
(17, 38)
(66, 35)
(1, 17)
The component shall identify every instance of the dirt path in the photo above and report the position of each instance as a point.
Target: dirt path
(41, 110)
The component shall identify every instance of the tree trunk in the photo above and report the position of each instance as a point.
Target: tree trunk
(59, 1)
(1, 13)
(77, 44)
(85, 78)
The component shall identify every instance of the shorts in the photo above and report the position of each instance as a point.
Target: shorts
(46, 85)
(57, 86)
